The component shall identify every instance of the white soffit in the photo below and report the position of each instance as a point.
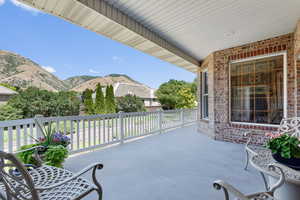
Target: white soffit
(193, 28)
(101, 17)
(200, 27)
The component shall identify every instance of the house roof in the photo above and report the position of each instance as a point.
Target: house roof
(142, 91)
(180, 32)
(6, 91)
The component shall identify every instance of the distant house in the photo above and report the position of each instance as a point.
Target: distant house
(142, 91)
(6, 94)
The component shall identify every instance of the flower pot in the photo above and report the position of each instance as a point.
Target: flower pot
(293, 163)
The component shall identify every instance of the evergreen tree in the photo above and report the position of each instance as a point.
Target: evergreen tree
(113, 100)
(88, 101)
(109, 100)
(99, 102)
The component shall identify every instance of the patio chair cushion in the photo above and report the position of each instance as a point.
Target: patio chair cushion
(46, 176)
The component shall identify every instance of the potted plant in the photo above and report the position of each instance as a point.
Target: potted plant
(285, 149)
(55, 145)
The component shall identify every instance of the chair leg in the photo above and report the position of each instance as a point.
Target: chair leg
(99, 188)
(265, 181)
(247, 160)
(99, 194)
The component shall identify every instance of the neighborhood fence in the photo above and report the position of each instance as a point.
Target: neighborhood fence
(93, 131)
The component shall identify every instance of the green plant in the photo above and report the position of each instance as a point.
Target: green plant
(130, 103)
(88, 101)
(99, 102)
(285, 145)
(55, 144)
(8, 112)
(34, 101)
(27, 156)
(110, 103)
(186, 98)
(55, 155)
(169, 94)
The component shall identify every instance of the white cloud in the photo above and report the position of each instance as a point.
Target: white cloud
(93, 71)
(49, 69)
(117, 59)
(25, 7)
(2, 2)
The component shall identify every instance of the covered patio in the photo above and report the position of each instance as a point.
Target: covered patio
(179, 164)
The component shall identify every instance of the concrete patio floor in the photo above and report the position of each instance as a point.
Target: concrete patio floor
(179, 165)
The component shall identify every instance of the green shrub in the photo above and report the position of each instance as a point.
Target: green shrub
(34, 101)
(99, 101)
(130, 103)
(88, 101)
(55, 144)
(55, 155)
(8, 112)
(27, 156)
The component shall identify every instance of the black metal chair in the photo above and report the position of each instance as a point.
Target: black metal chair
(42, 182)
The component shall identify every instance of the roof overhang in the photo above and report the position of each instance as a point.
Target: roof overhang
(103, 18)
(179, 32)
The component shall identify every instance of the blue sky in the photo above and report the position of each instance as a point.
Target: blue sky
(69, 50)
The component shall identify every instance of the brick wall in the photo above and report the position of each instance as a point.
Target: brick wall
(297, 63)
(219, 125)
(207, 126)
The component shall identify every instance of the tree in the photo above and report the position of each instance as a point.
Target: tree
(88, 101)
(34, 101)
(8, 112)
(130, 103)
(109, 100)
(99, 102)
(186, 98)
(113, 99)
(168, 93)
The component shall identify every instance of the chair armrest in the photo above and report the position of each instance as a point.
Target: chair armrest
(36, 153)
(218, 185)
(36, 148)
(83, 171)
(281, 180)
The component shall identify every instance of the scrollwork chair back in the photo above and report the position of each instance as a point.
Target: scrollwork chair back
(290, 126)
(15, 178)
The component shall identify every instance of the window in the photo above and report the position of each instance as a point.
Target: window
(204, 95)
(257, 90)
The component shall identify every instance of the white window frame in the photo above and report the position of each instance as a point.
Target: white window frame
(204, 95)
(282, 53)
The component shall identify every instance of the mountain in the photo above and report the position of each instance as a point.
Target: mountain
(77, 80)
(19, 71)
(106, 80)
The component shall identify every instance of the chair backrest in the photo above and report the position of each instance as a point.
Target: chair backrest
(290, 126)
(15, 178)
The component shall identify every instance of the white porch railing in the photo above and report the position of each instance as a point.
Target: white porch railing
(88, 132)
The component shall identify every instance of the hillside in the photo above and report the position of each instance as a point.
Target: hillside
(19, 71)
(77, 80)
(23, 72)
(106, 80)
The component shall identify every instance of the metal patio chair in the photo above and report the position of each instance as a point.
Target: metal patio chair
(289, 126)
(42, 182)
(268, 195)
(253, 150)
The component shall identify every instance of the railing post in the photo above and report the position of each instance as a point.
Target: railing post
(37, 127)
(160, 121)
(121, 127)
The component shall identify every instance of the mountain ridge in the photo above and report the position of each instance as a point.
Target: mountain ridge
(22, 72)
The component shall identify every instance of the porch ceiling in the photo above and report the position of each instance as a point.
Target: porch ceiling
(179, 32)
